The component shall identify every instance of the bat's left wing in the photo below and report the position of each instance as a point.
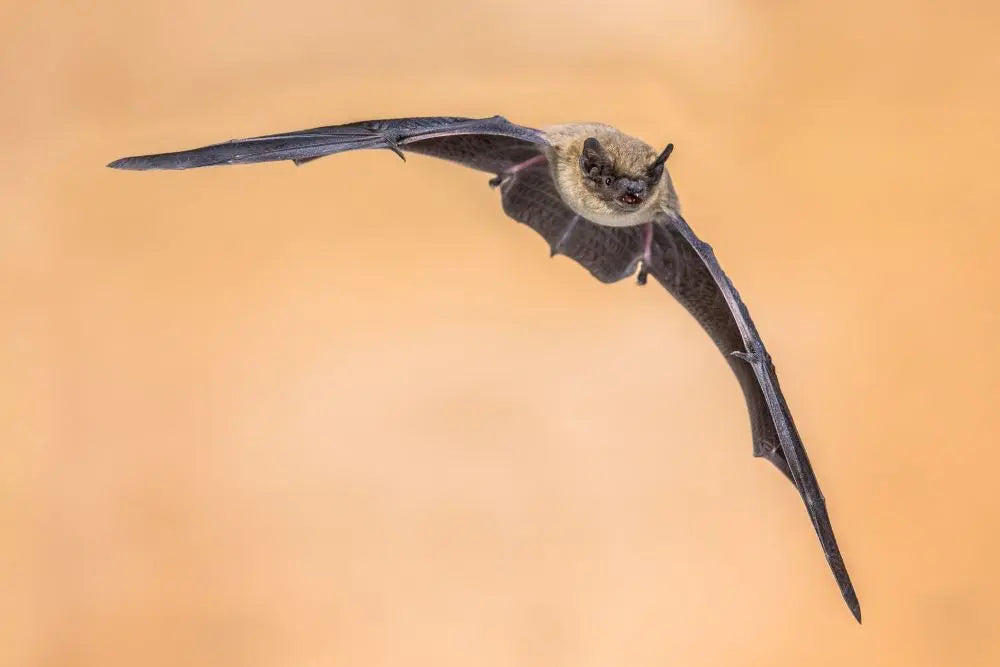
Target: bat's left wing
(686, 266)
(489, 144)
(688, 269)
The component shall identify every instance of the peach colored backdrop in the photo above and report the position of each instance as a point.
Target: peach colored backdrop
(349, 414)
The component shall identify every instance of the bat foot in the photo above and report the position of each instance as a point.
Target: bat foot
(498, 180)
(647, 254)
(643, 275)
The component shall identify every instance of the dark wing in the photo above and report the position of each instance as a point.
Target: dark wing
(489, 144)
(687, 268)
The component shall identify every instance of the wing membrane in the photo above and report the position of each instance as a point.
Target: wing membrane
(397, 135)
(686, 266)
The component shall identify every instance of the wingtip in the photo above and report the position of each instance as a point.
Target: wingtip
(855, 609)
(129, 164)
(851, 598)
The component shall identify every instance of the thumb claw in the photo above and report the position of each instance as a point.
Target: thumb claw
(394, 147)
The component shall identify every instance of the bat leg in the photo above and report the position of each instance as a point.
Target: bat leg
(509, 173)
(647, 254)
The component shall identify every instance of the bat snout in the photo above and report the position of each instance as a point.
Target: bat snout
(631, 192)
(635, 187)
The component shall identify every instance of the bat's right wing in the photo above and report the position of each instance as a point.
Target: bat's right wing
(489, 144)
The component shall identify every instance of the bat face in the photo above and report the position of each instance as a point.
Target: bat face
(618, 191)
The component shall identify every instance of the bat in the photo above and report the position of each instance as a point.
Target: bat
(602, 198)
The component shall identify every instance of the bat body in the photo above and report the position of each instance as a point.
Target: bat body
(602, 198)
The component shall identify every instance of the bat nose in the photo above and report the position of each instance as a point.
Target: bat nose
(633, 187)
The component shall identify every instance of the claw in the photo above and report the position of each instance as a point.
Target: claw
(394, 147)
(745, 356)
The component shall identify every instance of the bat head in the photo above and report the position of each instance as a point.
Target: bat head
(620, 188)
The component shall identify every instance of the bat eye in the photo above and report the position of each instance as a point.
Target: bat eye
(607, 181)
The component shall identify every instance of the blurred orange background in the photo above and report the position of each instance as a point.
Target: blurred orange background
(350, 414)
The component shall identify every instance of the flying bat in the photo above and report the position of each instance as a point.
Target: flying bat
(602, 198)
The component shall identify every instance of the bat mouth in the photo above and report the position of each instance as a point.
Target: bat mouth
(630, 199)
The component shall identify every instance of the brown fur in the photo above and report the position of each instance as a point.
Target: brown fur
(630, 156)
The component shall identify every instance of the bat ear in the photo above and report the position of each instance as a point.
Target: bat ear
(656, 169)
(662, 157)
(594, 158)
